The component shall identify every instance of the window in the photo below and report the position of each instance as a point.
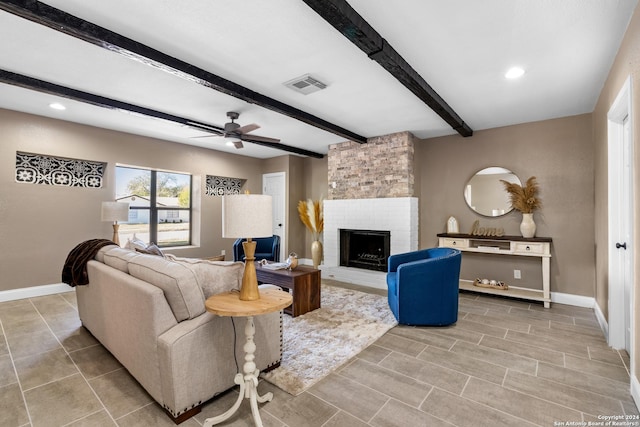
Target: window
(159, 205)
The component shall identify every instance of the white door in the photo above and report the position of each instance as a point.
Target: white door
(621, 227)
(273, 184)
(626, 247)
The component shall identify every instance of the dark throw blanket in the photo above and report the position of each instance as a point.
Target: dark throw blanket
(74, 271)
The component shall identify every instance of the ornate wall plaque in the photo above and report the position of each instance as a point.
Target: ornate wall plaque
(221, 185)
(50, 170)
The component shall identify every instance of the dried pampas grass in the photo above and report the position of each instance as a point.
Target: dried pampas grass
(310, 212)
(524, 199)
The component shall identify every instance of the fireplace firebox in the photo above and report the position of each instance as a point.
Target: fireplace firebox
(367, 249)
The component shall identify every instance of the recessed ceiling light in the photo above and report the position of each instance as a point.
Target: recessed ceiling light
(514, 73)
(57, 106)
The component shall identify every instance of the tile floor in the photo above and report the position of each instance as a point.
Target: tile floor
(505, 363)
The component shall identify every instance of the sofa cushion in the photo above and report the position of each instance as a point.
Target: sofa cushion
(179, 284)
(119, 258)
(214, 277)
(100, 254)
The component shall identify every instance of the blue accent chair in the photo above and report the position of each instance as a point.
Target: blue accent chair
(266, 248)
(423, 286)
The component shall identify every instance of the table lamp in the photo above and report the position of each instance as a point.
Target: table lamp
(114, 212)
(247, 216)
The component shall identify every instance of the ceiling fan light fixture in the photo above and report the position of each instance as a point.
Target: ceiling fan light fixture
(514, 73)
(57, 106)
(230, 140)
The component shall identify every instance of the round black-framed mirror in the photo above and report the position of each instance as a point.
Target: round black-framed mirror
(485, 194)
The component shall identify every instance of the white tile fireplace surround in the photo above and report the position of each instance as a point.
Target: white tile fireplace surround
(398, 215)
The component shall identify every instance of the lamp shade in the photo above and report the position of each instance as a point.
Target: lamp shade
(115, 211)
(247, 215)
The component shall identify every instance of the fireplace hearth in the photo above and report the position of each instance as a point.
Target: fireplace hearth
(366, 249)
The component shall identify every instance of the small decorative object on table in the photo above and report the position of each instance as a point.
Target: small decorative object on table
(526, 200)
(493, 284)
(452, 225)
(292, 261)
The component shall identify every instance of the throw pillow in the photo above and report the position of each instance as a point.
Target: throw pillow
(152, 249)
(135, 243)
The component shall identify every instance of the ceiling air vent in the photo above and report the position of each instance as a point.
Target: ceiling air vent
(305, 84)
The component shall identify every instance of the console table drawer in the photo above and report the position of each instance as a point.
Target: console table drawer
(454, 243)
(529, 248)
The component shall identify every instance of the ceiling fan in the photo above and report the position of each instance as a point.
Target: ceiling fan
(235, 132)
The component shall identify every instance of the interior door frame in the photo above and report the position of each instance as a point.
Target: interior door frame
(283, 239)
(620, 109)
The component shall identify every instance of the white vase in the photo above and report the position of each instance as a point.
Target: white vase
(527, 226)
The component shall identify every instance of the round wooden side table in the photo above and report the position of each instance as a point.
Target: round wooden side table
(229, 304)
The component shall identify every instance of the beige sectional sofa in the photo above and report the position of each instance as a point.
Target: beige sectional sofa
(148, 311)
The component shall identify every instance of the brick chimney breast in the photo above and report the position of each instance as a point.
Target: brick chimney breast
(381, 168)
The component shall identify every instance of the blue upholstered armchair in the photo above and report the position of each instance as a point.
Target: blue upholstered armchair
(423, 286)
(266, 248)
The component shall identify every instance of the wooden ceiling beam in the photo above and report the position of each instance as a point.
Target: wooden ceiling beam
(59, 20)
(350, 24)
(31, 83)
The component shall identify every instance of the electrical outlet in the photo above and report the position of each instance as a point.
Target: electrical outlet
(223, 252)
(516, 274)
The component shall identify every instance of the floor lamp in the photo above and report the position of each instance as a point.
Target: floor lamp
(114, 212)
(247, 216)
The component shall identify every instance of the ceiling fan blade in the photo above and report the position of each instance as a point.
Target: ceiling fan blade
(247, 128)
(238, 144)
(206, 136)
(257, 138)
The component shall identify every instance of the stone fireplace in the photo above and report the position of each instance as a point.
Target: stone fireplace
(371, 188)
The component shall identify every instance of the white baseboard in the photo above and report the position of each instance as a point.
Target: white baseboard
(357, 276)
(635, 390)
(575, 300)
(34, 291)
(602, 321)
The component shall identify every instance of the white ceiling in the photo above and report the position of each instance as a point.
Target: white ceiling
(462, 48)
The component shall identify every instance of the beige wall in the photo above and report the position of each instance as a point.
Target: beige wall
(40, 224)
(311, 183)
(560, 154)
(626, 64)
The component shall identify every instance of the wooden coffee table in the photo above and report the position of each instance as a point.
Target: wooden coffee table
(303, 283)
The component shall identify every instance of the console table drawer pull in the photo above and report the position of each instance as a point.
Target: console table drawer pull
(456, 243)
(531, 248)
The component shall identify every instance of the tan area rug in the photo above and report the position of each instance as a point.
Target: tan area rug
(319, 342)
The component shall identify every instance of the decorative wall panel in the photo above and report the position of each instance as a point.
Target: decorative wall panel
(221, 185)
(41, 169)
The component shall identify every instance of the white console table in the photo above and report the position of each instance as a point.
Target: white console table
(505, 245)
